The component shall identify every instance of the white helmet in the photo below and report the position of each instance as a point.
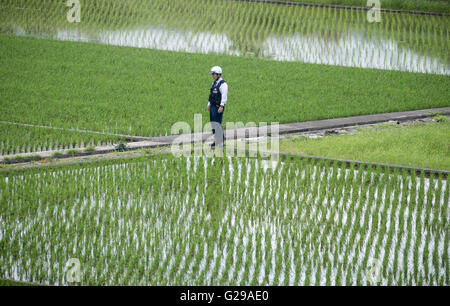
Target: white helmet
(216, 69)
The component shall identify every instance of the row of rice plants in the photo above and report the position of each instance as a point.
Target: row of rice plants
(201, 221)
(26, 139)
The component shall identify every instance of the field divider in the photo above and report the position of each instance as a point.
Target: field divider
(317, 125)
(287, 128)
(233, 134)
(345, 7)
(348, 162)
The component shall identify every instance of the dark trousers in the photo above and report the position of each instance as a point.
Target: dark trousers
(214, 116)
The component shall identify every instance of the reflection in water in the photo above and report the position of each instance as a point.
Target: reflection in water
(157, 38)
(352, 49)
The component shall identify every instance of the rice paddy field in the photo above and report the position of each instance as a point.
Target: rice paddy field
(25, 139)
(113, 89)
(290, 33)
(333, 63)
(136, 67)
(162, 220)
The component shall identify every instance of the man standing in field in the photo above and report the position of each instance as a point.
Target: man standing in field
(216, 104)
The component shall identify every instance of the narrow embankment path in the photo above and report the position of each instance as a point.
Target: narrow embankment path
(239, 133)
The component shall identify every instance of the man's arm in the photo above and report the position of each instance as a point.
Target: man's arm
(209, 102)
(224, 91)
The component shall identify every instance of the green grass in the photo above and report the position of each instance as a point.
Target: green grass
(73, 151)
(423, 145)
(142, 92)
(418, 5)
(89, 149)
(21, 157)
(4, 282)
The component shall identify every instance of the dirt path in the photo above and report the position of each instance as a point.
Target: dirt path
(234, 134)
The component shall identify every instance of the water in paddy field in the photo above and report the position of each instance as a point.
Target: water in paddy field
(292, 214)
(401, 42)
(354, 49)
